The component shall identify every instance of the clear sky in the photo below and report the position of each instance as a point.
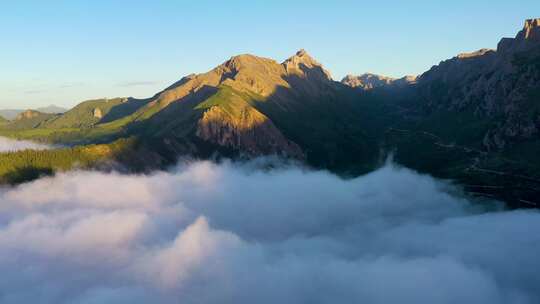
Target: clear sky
(64, 52)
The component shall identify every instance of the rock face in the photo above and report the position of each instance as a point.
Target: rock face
(28, 114)
(526, 39)
(252, 132)
(498, 84)
(98, 113)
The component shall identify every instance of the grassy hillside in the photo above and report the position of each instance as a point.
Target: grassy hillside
(21, 166)
(87, 114)
(79, 125)
(28, 120)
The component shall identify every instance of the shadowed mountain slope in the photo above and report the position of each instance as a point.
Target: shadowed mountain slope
(474, 118)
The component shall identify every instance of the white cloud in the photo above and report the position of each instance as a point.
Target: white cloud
(10, 145)
(207, 233)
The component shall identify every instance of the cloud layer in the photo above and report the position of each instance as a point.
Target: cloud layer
(10, 145)
(207, 233)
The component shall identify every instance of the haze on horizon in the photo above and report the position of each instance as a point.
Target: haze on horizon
(67, 52)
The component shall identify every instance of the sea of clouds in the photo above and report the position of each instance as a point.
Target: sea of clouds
(234, 233)
(12, 145)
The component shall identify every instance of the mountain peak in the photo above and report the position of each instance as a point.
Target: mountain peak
(246, 62)
(302, 62)
(302, 56)
(527, 37)
(531, 30)
(302, 52)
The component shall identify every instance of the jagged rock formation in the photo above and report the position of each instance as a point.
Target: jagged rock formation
(250, 132)
(492, 83)
(367, 81)
(526, 39)
(370, 81)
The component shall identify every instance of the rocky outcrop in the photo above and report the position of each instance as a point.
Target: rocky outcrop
(498, 84)
(303, 65)
(367, 81)
(97, 113)
(527, 38)
(28, 114)
(250, 131)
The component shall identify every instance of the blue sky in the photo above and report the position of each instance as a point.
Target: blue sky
(64, 52)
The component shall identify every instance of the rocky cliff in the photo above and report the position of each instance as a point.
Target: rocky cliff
(501, 84)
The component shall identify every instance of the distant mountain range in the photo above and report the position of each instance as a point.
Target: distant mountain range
(11, 113)
(474, 118)
(370, 81)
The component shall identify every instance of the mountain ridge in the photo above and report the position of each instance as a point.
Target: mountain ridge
(12, 113)
(474, 118)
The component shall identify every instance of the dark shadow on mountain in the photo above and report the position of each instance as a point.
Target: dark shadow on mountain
(328, 120)
(124, 109)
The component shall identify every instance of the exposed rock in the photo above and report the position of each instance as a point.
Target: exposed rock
(480, 52)
(405, 81)
(527, 38)
(491, 84)
(367, 81)
(531, 30)
(252, 132)
(98, 113)
(299, 75)
(298, 84)
(28, 114)
(304, 65)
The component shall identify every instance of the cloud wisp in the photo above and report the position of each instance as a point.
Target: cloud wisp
(11, 145)
(207, 233)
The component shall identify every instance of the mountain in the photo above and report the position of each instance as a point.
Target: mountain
(500, 85)
(474, 119)
(257, 106)
(246, 106)
(29, 119)
(52, 109)
(370, 81)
